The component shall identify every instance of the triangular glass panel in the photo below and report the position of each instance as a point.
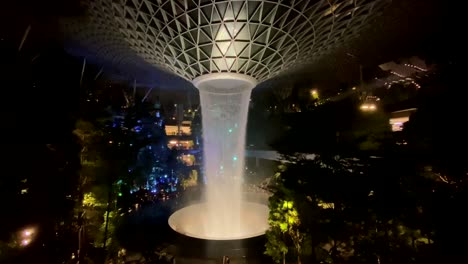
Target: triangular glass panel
(243, 33)
(223, 34)
(231, 52)
(236, 8)
(178, 9)
(241, 65)
(268, 52)
(205, 51)
(215, 52)
(181, 64)
(183, 22)
(245, 53)
(276, 57)
(192, 22)
(215, 17)
(223, 46)
(275, 35)
(291, 24)
(255, 17)
(196, 67)
(205, 66)
(203, 38)
(192, 70)
(168, 59)
(270, 17)
(258, 56)
(229, 15)
(232, 28)
(221, 8)
(239, 46)
(263, 37)
(173, 27)
(255, 48)
(221, 63)
(277, 43)
(229, 63)
(242, 15)
(194, 35)
(253, 29)
(213, 67)
(206, 10)
(267, 8)
(182, 58)
(251, 66)
(252, 6)
(189, 59)
(204, 20)
(187, 43)
(214, 30)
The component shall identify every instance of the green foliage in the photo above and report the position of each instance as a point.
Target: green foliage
(336, 210)
(284, 220)
(276, 247)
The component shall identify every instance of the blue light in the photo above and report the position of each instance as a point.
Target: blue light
(234, 158)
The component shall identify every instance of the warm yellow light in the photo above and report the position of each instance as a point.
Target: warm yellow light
(28, 232)
(368, 107)
(173, 142)
(25, 242)
(354, 88)
(314, 93)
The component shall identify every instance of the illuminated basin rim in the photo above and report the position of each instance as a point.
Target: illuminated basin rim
(224, 83)
(189, 221)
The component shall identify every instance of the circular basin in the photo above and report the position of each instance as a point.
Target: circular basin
(193, 221)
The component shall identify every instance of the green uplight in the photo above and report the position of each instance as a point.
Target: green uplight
(120, 194)
(230, 130)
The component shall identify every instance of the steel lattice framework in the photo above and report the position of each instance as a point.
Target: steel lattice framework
(258, 38)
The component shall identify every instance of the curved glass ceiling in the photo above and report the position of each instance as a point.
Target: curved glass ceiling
(255, 37)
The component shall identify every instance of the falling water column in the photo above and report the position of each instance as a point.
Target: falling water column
(224, 99)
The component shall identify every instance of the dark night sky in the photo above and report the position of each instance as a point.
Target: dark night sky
(406, 28)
